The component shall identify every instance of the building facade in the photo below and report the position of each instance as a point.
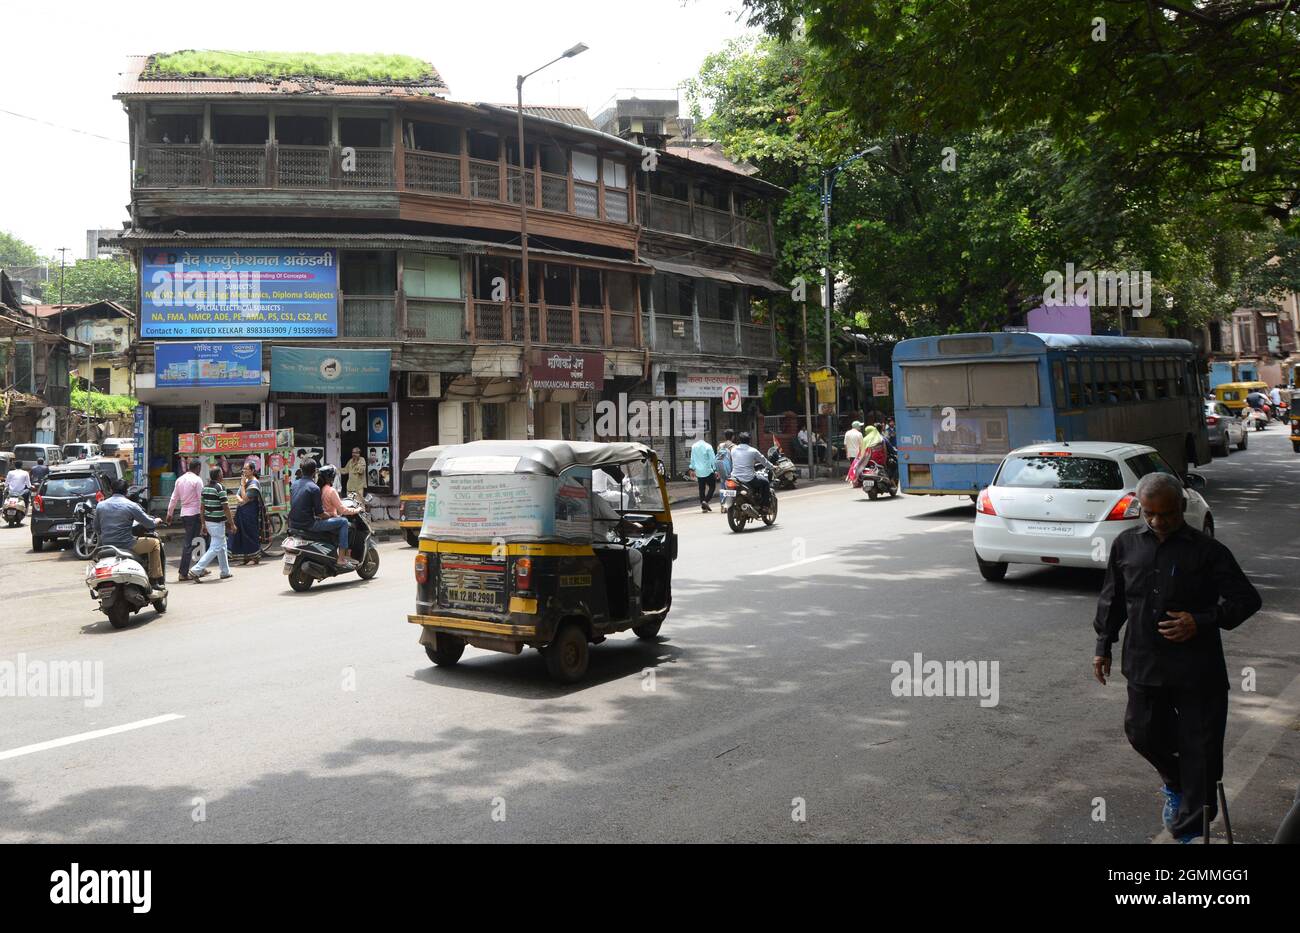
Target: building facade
(344, 259)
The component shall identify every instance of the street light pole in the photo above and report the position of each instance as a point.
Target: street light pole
(527, 360)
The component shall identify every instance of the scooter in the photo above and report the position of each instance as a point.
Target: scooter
(742, 506)
(15, 509)
(120, 583)
(876, 481)
(784, 474)
(1257, 418)
(85, 536)
(311, 556)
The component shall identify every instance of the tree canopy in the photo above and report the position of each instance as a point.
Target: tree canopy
(93, 280)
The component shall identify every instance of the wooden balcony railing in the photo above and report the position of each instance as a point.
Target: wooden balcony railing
(673, 334)
(670, 215)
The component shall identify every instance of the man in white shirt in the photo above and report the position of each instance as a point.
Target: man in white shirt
(853, 441)
(19, 483)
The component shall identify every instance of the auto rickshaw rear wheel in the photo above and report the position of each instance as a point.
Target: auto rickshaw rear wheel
(447, 651)
(566, 656)
(412, 537)
(647, 631)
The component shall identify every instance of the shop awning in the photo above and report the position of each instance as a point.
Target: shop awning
(718, 275)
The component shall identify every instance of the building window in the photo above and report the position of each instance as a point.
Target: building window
(174, 128)
(102, 380)
(589, 291)
(427, 275)
(368, 272)
(239, 129)
(622, 291)
(484, 146)
(432, 137)
(364, 132)
(558, 285)
(24, 368)
(302, 130)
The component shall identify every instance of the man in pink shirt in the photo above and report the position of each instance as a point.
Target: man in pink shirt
(332, 505)
(186, 494)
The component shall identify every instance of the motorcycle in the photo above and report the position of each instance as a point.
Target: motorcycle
(877, 481)
(784, 474)
(85, 536)
(121, 585)
(310, 556)
(15, 509)
(742, 506)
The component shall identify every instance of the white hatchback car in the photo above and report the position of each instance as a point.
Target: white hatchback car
(1064, 504)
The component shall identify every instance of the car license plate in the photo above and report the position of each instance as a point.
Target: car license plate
(1051, 529)
(62, 527)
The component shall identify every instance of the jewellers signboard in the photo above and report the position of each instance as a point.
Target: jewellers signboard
(239, 293)
(565, 370)
(711, 385)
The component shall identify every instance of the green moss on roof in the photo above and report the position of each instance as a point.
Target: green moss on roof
(356, 67)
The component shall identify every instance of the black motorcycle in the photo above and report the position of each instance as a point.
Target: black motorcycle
(744, 507)
(310, 556)
(876, 482)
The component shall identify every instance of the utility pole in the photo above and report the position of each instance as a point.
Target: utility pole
(807, 392)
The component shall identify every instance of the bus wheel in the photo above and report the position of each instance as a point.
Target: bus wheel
(413, 537)
(566, 655)
(993, 571)
(447, 652)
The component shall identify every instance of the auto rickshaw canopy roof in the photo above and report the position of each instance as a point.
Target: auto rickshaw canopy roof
(547, 457)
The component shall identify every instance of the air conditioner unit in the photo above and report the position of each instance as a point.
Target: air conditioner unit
(423, 385)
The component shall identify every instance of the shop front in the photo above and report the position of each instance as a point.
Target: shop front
(338, 400)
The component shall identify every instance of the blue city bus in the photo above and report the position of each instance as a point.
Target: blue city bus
(963, 401)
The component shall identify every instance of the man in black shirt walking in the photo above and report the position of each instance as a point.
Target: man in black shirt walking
(1176, 588)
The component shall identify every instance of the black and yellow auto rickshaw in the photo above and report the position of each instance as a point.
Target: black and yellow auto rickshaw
(414, 488)
(1295, 426)
(552, 544)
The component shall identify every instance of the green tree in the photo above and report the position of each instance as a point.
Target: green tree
(94, 280)
(16, 252)
(1195, 99)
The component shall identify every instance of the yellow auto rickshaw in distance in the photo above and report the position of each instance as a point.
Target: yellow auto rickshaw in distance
(1233, 394)
(414, 488)
(550, 544)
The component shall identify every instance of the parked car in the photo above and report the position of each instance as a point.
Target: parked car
(54, 504)
(80, 451)
(1225, 428)
(1064, 504)
(26, 455)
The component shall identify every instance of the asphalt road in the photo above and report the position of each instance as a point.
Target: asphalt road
(317, 717)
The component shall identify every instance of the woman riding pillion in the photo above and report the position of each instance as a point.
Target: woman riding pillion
(875, 449)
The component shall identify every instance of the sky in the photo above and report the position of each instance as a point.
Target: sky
(63, 64)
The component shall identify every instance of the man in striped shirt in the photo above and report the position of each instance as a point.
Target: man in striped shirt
(217, 517)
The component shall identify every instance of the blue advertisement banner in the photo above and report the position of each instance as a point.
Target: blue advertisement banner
(330, 372)
(231, 292)
(208, 364)
(377, 426)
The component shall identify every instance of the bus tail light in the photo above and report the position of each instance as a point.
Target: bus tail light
(523, 575)
(1127, 507)
(984, 505)
(421, 569)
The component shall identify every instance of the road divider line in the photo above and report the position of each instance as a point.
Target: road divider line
(797, 563)
(87, 736)
(947, 526)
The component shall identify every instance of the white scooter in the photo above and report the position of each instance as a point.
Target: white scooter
(784, 474)
(15, 509)
(121, 584)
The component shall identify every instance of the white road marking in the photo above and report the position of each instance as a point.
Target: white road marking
(947, 526)
(797, 563)
(87, 736)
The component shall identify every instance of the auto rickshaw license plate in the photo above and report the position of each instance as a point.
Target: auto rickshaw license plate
(477, 587)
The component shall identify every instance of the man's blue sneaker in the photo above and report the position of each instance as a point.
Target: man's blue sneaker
(1173, 800)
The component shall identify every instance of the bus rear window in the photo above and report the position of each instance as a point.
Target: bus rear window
(1049, 472)
(998, 384)
(927, 386)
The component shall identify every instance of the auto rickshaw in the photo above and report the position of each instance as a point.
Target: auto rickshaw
(414, 488)
(1295, 428)
(551, 544)
(1233, 394)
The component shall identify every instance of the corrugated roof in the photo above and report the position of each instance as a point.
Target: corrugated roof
(575, 116)
(135, 84)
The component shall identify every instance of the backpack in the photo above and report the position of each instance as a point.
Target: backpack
(723, 463)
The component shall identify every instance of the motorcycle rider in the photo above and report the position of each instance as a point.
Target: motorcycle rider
(115, 519)
(39, 472)
(18, 482)
(329, 496)
(745, 461)
(307, 513)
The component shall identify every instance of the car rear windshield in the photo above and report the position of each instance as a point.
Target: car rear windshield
(1059, 472)
(71, 486)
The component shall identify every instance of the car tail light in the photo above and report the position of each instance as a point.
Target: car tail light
(524, 574)
(421, 569)
(1127, 507)
(38, 504)
(99, 495)
(1211, 420)
(984, 505)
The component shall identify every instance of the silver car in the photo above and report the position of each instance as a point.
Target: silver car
(1225, 429)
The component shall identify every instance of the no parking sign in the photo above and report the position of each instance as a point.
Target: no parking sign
(731, 398)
